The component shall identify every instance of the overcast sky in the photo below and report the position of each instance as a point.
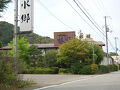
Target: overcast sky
(47, 13)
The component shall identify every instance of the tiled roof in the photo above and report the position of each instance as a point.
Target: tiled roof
(45, 46)
(101, 43)
(6, 48)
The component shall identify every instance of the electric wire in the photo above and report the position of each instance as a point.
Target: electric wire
(89, 15)
(101, 8)
(83, 19)
(104, 9)
(54, 15)
(92, 22)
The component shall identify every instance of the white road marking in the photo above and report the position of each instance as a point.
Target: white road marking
(66, 83)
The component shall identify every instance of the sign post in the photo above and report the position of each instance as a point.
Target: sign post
(26, 16)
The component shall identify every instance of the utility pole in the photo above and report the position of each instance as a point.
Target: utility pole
(15, 29)
(106, 30)
(116, 52)
(80, 35)
(116, 49)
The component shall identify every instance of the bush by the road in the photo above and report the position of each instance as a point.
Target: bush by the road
(8, 74)
(76, 67)
(53, 70)
(64, 70)
(86, 70)
(94, 68)
(115, 67)
(103, 69)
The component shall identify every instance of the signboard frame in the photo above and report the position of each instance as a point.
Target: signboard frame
(26, 16)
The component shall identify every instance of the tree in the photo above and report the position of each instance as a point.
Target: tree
(113, 54)
(6, 35)
(35, 56)
(23, 47)
(99, 54)
(6, 32)
(3, 4)
(75, 51)
(50, 58)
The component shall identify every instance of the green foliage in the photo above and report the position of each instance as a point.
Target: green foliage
(76, 51)
(103, 69)
(8, 77)
(36, 39)
(115, 67)
(35, 56)
(64, 71)
(111, 67)
(99, 53)
(22, 49)
(53, 70)
(86, 70)
(6, 35)
(6, 32)
(7, 68)
(3, 4)
(73, 51)
(0, 44)
(76, 67)
(113, 54)
(50, 58)
(94, 68)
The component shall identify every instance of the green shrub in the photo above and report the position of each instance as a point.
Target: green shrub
(56, 70)
(7, 68)
(111, 68)
(64, 70)
(76, 67)
(115, 67)
(103, 69)
(119, 66)
(86, 70)
(94, 68)
(8, 74)
(53, 70)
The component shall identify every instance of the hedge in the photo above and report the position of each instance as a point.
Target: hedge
(103, 69)
(64, 70)
(53, 70)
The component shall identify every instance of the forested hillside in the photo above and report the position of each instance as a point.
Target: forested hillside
(6, 32)
(6, 35)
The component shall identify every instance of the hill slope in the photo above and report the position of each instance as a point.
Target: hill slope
(6, 35)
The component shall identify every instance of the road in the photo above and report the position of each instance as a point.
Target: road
(109, 81)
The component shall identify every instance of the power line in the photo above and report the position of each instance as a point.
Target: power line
(100, 8)
(54, 15)
(90, 20)
(89, 15)
(104, 9)
(83, 18)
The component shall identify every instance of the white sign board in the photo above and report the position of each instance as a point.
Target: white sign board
(26, 15)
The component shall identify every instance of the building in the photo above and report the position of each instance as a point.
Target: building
(59, 39)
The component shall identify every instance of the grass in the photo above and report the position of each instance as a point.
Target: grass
(13, 84)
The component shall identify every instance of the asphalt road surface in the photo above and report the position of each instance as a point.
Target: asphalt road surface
(109, 81)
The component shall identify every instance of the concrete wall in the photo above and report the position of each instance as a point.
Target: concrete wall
(105, 62)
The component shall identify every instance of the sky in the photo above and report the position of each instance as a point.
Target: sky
(57, 15)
